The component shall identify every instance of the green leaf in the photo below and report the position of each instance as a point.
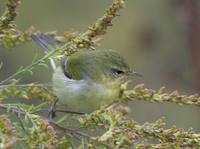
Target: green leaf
(29, 71)
(14, 81)
(35, 58)
(26, 120)
(20, 68)
(38, 107)
(62, 119)
(43, 65)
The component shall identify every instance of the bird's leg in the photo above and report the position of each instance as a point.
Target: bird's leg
(52, 109)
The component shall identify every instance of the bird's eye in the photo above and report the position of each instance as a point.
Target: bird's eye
(117, 72)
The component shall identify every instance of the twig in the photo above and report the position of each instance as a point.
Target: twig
(79, 135)
(86, 40)
(173, 135)
(10, 13)
(61, 111)
(15, 110)
(31, 66)
(24, 85)
(70, 112)
(101, 25)
(141, 93)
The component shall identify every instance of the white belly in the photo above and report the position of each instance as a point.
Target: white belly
(82, 95)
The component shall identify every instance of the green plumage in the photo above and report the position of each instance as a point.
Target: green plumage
(96, 65)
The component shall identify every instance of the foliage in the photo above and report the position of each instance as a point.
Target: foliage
(26, 126)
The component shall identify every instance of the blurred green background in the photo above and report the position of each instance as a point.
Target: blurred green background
(154, 36)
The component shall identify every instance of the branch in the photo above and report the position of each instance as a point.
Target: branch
(7, 19)
(122, 132)
(101, 25)
(79, 135)
(175, 136)
(27, 91)
(86, 40)
(30, 67)
(78, 41)
(10, 35)
(141, 93)
(22, 112)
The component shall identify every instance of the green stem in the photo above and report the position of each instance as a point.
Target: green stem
(31, 66)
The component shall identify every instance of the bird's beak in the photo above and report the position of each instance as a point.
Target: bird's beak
(134, 73)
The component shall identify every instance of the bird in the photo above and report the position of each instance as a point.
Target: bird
(88, 79)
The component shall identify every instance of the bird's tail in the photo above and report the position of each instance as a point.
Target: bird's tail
(46, 43)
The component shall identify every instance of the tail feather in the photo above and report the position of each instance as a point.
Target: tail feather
(48, 39)
(46, 43)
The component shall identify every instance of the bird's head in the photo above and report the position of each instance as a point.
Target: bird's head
(96, 65)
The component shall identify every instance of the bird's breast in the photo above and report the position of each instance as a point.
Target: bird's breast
(82, 95)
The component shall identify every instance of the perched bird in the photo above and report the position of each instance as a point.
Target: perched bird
(87, 79)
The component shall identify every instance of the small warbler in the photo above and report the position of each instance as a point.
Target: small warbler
(87, 79)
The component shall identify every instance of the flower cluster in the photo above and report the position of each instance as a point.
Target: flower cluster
(141, 93)
(42, 134)
(7, 133)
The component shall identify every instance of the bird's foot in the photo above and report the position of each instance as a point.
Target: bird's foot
(52, 110)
